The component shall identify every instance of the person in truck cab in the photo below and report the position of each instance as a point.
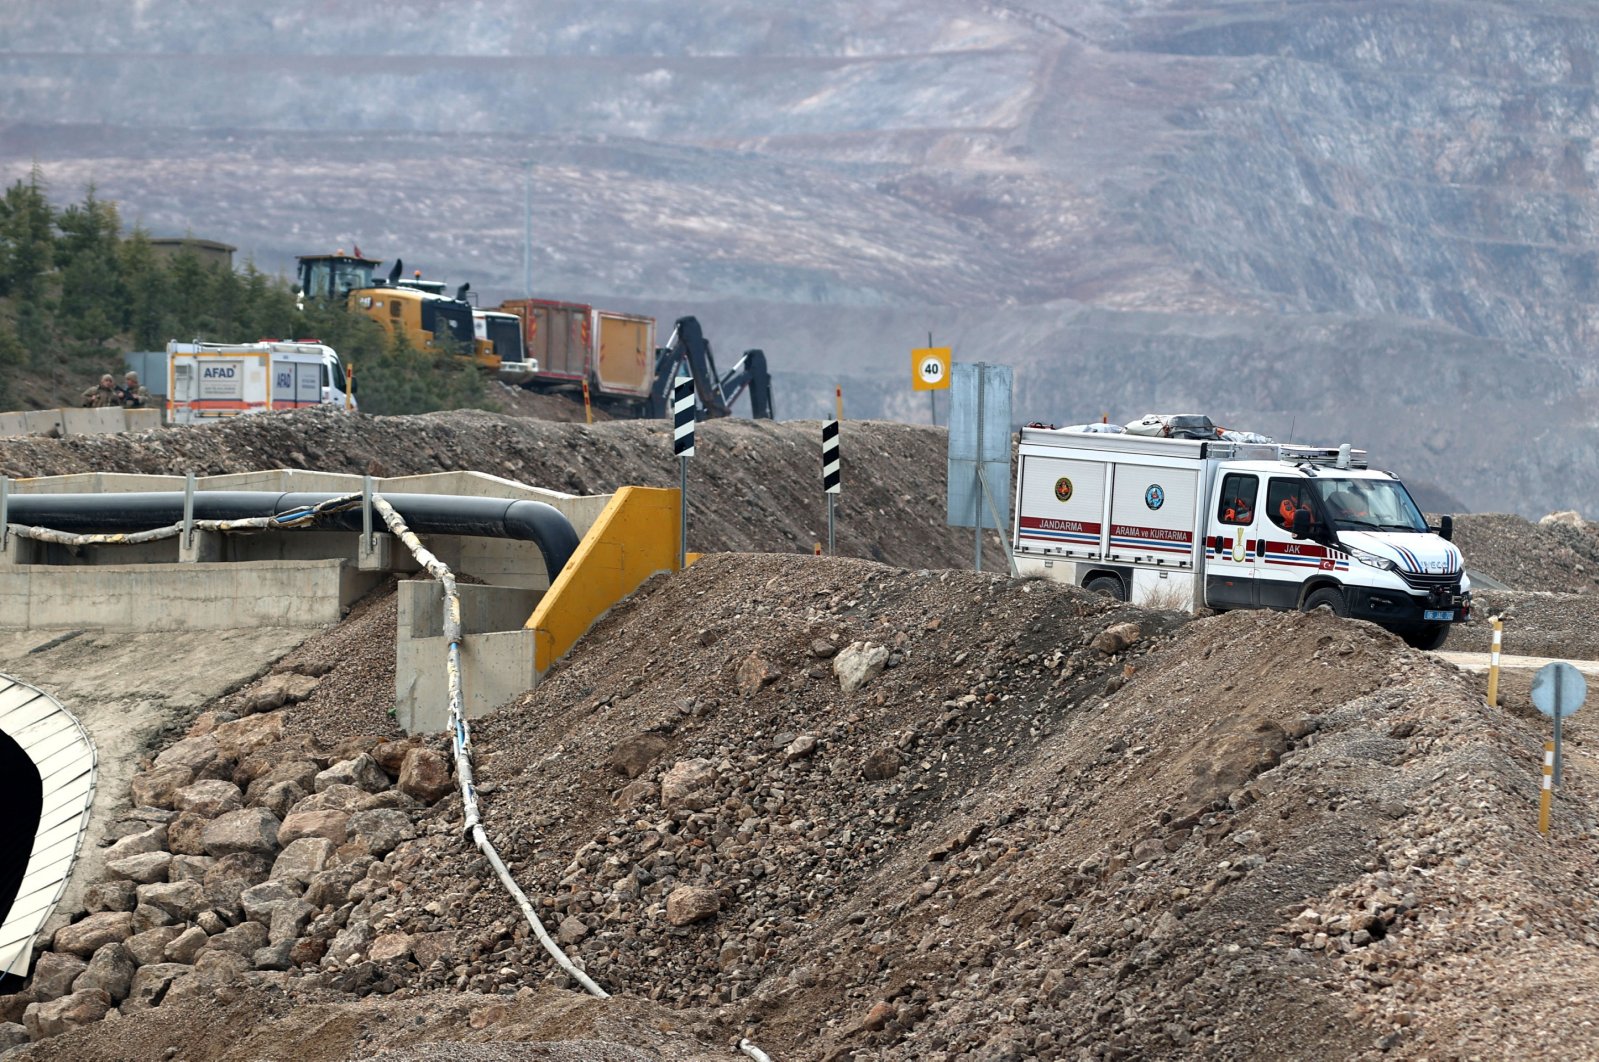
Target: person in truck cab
(1346, 505)
(1284, 500)
(1238, 511)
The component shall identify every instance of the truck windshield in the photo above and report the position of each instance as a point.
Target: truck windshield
(1369, 505)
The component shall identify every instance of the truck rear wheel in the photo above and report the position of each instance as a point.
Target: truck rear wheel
(1430, 637)
(1108, 585)
(1326, 597)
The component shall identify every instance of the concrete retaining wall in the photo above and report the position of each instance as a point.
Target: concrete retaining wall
(496, 655)
(143, 597)
(109, 420)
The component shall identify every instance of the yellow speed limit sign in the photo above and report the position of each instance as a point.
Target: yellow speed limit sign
(930, 369)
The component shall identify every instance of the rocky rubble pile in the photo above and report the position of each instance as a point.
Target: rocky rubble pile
(1559, 554)
(852, 811)
(246, 849)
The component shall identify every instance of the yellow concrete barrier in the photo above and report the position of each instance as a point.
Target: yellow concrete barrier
(635, 537)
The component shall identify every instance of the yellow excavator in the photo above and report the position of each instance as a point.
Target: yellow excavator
(421, 311)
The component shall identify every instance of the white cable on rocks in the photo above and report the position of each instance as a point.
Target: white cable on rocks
(473, 825)
(463, 756)
(293, 518)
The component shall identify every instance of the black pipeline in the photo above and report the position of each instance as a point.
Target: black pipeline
(428, 514)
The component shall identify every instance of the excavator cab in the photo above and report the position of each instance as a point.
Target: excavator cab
(334, 276)
(428, 318)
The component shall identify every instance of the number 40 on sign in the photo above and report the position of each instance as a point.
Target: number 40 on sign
(930, 369)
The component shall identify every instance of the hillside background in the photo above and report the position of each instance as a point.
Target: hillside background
(1372, 221)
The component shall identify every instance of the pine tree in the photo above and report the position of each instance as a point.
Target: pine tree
(27, 238)
(91, 279)
(148, 316)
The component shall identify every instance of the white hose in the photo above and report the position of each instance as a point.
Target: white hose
(293, 518)
(473, 826)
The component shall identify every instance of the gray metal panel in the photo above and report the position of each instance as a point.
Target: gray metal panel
(151, 365)
(966, 498)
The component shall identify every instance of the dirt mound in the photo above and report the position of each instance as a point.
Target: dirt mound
(1535, 624)
(1523, 555)
(1030, 831)
(754, 485)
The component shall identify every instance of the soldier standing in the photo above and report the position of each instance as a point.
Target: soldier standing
(107, 394)
(131, 394)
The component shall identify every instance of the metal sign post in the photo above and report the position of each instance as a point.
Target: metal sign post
(1558, 690)
(683, 447)
(930, 372)
(366, 514)
(5, 503)
(832, 476)
(188, 511)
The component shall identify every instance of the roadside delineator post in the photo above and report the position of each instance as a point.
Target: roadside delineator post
(349, 386)
(1546, 797)
(832, 480)
(1493, 663)
(588, 410)
(683, 447)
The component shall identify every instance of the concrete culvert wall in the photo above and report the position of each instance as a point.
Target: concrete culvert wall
(47, 775)
(22, 795)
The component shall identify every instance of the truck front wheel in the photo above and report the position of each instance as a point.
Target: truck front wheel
(1108, 585)
(1328, 597)
(1430, 637)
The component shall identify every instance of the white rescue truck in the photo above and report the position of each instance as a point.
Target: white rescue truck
(207, 381)
(1208, 522)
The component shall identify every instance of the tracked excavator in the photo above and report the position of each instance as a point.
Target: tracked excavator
(689, 350)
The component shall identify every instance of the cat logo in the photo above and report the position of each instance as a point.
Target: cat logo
(1063, 489)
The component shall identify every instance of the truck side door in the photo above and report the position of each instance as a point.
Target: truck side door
(1287, 562)
(1232, 538)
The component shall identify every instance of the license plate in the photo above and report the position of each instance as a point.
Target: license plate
(1441, 615)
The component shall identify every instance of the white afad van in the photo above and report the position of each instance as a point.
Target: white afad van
(1213, 522)
(209, 381)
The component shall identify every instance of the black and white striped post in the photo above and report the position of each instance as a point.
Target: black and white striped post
(832, 481)
(683, 447)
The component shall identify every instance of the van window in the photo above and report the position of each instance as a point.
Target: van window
(1283, 496)
(1238, 492)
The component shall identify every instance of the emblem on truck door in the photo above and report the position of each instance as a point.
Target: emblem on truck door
(1063, 489)
(1155, 496)
(1239, 551)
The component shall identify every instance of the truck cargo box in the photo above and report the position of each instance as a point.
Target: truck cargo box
(557, 335)
(626, 353)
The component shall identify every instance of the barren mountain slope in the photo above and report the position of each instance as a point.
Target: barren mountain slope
(1249, 836)
(1374, 220)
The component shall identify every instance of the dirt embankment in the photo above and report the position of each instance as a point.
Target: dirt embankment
(1032, 833)
(1541, 578)
(754, 485)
